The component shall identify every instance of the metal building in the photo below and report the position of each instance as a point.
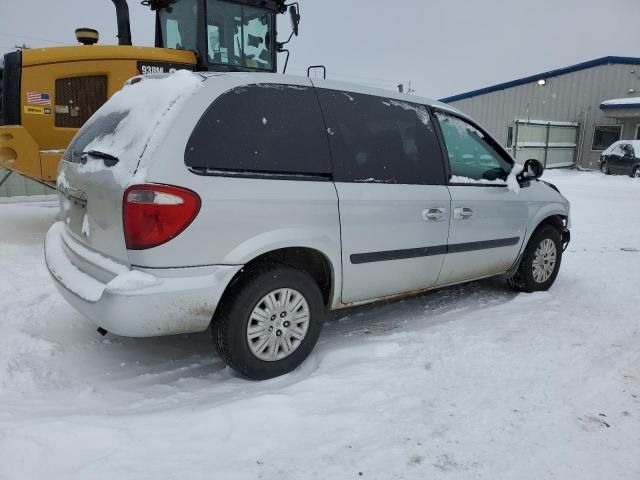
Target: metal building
(562, 117)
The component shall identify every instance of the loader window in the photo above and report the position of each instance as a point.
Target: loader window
(239, 36)
(179, 25)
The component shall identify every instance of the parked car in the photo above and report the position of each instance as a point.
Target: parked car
(253, 203)
(621, 158)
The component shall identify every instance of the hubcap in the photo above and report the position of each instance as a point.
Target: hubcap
(278, 324)
(544, 260)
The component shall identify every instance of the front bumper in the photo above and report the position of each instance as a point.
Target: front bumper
(149, 303)
(566, 238)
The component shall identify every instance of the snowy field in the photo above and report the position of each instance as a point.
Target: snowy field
(468, 382)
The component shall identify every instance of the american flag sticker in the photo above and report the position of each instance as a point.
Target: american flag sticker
(38, 98)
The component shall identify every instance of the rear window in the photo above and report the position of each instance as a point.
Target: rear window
(381, 140)
(134, 117)
(264, 128)
(98, 127)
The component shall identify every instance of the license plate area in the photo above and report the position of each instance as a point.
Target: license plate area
(75, 209)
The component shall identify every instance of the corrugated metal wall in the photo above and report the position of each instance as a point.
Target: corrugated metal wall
(567, 97)
(17, 185)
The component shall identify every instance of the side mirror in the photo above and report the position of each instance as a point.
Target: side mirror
(532, 170)
(295, 19)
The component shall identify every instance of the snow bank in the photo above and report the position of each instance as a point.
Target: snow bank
(468, 382)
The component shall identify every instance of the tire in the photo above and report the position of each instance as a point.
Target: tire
(636, 172)
(532, 275)
(246, 305)
(604, 168)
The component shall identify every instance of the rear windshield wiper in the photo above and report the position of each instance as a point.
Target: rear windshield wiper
(108, 159)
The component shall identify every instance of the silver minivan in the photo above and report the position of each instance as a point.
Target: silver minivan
(253, 203)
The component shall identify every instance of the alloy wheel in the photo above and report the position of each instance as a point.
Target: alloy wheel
(544, 260)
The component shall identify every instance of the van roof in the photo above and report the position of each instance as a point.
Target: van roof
(253, 77)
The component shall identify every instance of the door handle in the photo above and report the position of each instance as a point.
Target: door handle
(434, 214)
(462, 213)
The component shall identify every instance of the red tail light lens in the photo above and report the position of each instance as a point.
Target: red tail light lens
(154, 214)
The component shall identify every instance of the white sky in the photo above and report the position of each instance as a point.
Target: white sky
(443, 47)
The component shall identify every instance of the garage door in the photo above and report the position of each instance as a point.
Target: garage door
(552, 143)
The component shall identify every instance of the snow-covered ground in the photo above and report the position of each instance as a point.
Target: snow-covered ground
(468, 382)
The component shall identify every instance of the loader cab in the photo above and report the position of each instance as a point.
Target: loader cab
(238, 35)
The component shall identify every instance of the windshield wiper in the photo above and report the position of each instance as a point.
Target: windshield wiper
(108, 159)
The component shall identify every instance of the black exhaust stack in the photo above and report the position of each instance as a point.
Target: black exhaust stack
(124, 26)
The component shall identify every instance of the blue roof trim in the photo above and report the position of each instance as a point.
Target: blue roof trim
(619, 107)
(550, 74)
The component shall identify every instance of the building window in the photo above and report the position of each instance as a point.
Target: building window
(509, 137)
(605, 135)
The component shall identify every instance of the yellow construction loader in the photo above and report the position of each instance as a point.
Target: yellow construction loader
(47, 94)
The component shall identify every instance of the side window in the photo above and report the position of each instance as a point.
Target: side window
(263, 128)
(380, 140)
(471, 156)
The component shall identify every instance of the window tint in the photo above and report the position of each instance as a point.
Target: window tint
(471, 156)
(375, 139)
(605, 135)
(262, 128)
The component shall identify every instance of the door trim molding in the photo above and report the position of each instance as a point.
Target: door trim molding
(387, 255)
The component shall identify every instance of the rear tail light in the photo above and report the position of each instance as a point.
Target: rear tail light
(154, 214)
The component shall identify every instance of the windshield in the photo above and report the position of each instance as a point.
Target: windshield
(239, 35)
(178, 24)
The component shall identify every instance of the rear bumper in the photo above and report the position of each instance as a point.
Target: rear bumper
(138, 302)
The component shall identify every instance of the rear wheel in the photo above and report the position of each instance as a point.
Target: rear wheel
(269, 322)
(540, 263)
(636, 172)
(604, 168)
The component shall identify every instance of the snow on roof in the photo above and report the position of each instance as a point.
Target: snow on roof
(628, 102)
(634, 143)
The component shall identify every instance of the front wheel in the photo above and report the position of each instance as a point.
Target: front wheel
(540, 262)
(604, 168)
(269, 322)
(636, 172)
